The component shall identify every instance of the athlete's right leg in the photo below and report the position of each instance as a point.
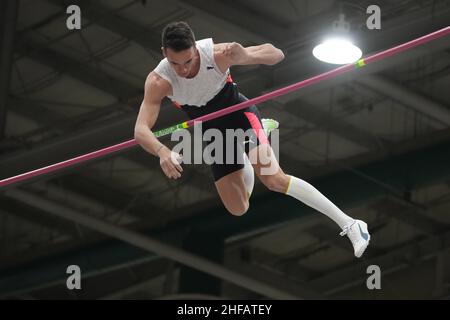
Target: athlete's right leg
(235, 188)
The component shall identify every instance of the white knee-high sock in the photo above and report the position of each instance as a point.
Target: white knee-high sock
(249, 176)
(303, 191)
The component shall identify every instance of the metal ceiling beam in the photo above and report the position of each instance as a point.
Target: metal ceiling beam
(76, 69)
(54, 120)
(152, 245)
(155, 270)
(442, 279)
(108, 19)
(108, 259)
(85, 184)
(407, 97)
(8, 18)
(37, 217)
(281, 263)
(408, 213)
(297, 288)
(52, 273)
(64, 196)
(392, 261)
(325, 120)
(239, 19)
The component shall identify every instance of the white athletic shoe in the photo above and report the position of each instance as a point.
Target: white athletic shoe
(359, 236)
(269, 125)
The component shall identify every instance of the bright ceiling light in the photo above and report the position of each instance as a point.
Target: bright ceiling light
(338, 49)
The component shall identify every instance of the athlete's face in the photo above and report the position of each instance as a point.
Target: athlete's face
(182, 62)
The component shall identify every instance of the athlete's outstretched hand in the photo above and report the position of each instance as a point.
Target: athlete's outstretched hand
(170, 163)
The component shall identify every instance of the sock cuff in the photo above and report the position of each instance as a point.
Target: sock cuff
(289, 185)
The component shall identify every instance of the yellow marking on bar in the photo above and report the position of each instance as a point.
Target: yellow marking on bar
(360, 63)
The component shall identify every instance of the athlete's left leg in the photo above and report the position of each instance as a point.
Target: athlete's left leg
(272, 176)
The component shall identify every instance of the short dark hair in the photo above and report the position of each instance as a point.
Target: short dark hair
(178, 36)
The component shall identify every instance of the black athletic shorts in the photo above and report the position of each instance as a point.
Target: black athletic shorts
(245, 119)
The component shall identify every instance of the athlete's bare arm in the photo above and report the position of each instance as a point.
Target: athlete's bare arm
(233, 54)
(156, 88)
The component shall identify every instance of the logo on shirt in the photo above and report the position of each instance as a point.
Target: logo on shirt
(209, 67)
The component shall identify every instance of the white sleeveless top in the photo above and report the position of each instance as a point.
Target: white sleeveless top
(204, 86)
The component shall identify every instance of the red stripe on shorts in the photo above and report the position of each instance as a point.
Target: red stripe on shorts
(256, 125)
